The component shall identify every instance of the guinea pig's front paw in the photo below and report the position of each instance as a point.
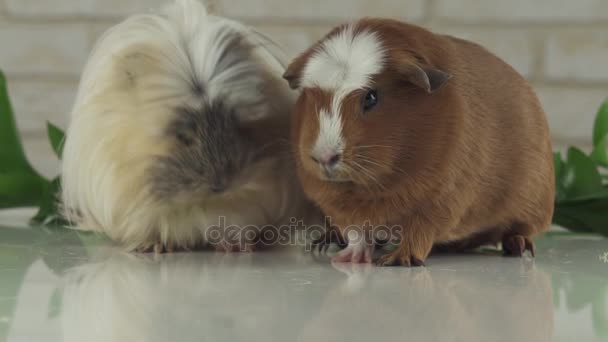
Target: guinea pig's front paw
(157, 248)
(233, 241)
(400, 257)
(415, 246)
(323, 243)
(516, 245)
(355, 253)
(227, 247)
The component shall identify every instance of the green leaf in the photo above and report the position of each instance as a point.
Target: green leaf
(579, 175)
(557, 162)
(601, 193)
(584, 216)
(21, 189)
(581, 192)
(48, 210)
(600, 154)
(600, 128)
(600, 136)
(20, 184)
(570, 223)
(560, 191)
(12, 156)
(56, 137)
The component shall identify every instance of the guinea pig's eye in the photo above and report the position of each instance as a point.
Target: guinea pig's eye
(370, 100)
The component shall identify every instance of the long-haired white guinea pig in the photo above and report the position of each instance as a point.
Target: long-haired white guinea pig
(181, 118)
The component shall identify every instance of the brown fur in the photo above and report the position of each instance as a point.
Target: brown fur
(472, 159)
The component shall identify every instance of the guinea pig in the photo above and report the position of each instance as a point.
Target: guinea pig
(181, 124)
(428, 135)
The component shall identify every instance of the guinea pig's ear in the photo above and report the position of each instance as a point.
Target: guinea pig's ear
(293, 74)
(428, 78)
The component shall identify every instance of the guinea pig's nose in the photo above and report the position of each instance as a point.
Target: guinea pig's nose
(329, 160)
(217, 188)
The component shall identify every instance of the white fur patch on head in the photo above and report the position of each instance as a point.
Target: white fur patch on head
(342, 64)
(329, 141)
(347, 60)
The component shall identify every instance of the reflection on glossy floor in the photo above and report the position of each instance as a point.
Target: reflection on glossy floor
(57, 285)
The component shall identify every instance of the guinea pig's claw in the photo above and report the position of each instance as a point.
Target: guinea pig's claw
(398, 258)
(417, 262)
(323, 243)
(142, 250)
(517, 245)
(157, 248)
(354, 254)
(324, 247)
(226, 247)
(318, 245)
(530, 247)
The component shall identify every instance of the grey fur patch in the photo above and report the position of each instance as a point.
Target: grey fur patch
(209, 151)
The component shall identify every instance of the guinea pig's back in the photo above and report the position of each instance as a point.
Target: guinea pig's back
(506, 136)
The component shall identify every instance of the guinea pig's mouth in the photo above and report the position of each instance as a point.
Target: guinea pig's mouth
(336, 172)
(333, 177)
(337, 165)
(347, 171)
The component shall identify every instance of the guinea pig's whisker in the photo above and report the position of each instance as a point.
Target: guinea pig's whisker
(368, 174)
(369, 161)
(366, 171)
(376, 146)
(352, 172)
(358, 176)
(365, 159)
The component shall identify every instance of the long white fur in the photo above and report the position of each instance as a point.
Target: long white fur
(138, 72)
(342, 64)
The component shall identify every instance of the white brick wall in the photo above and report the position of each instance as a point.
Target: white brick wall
(78, 8)
(39, 49)
(320, 10)
(295, 39)
(561, 45)
(533, 11)
(580, 56)
(39, 101)
(515, 46)
(571, 111)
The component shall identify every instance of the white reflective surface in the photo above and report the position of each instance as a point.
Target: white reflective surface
(57, 285)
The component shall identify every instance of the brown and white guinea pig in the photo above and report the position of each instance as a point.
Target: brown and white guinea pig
(181, 124)
(429, 135)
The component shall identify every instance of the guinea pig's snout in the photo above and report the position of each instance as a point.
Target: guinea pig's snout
(217, 188)
(328, 161)
(218, 185)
